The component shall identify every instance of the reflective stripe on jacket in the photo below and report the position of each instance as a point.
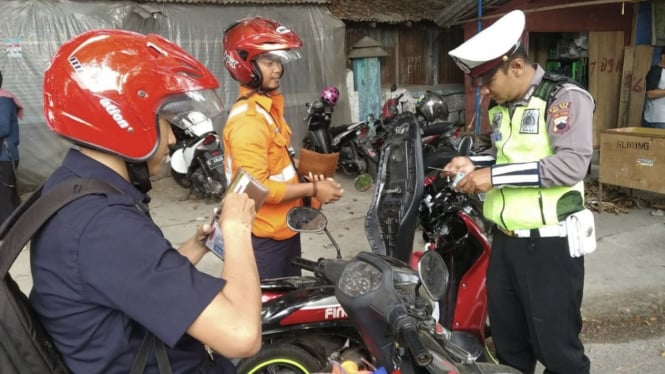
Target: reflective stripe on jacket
(524, 139)
(256, 138)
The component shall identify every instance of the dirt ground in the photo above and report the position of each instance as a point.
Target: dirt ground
(625, 328)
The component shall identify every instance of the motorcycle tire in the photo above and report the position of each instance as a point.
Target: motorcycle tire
(181, 179)
(280, 358)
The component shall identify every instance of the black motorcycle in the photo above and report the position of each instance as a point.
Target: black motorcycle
(389, 307)
(356, 155)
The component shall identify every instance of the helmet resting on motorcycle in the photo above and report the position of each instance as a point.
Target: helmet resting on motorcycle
(330, 95)
(105, 89)
(245, 40)
(432, 106)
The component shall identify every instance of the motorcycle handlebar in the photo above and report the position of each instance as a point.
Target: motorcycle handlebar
(330, 270)
(305, 264)
(407, 329)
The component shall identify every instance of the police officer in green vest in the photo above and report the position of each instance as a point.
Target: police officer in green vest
(542, 147)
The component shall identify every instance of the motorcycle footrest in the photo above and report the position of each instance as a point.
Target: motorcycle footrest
(464, 347)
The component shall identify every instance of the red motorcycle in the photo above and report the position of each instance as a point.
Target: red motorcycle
(453, 226)
(304, 325)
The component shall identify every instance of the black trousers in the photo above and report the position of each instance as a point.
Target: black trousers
(534, 293)
(273, 257)
(9, 198)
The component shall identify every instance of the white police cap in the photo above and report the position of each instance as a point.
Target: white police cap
(492, 46)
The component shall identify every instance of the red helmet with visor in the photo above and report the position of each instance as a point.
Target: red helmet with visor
(106, 89)
(248, 38)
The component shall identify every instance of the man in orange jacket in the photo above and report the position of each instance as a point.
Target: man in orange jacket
(257, 138)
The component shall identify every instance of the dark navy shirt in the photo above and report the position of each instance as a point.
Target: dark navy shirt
(103, 272)
(9, 133)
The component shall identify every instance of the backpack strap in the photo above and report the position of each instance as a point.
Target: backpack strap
(24, 222)
(19, 228)
(150, 341)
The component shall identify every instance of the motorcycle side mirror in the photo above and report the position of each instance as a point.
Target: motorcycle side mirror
(433, 274)
(363, 182)
(393, 87)
(306, 219)
(465, 145)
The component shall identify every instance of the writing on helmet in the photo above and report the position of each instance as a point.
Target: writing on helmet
(229, 61)
(115, 112)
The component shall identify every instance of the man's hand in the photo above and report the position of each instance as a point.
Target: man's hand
(474, 180)
(479, 180)
(237, 211)
(458, 165)
(327, 189)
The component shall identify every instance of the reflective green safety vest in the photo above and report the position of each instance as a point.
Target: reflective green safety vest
(526, 139)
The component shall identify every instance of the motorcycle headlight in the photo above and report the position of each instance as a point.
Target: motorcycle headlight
(359, 278)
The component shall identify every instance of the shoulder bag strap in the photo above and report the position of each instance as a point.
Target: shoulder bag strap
(149, 342)
(24, 222)
(19, 228)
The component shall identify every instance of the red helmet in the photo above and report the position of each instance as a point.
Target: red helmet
(330, 95)
(248, 38)
(105, 89)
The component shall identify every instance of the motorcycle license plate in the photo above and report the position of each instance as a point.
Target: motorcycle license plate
(215, 162)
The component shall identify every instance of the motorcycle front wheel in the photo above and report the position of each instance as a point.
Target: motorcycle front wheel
(280, 359)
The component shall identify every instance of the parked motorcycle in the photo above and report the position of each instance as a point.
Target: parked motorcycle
(390, 306)
(355, 157)
(197, 158)
(303, 324)
(438, 132)
(392, 106)
(452, 226)
(439, 137)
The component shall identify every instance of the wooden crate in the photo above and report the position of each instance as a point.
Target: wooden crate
(633, 157)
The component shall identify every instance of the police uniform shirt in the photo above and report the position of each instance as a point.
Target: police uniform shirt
(569, 125)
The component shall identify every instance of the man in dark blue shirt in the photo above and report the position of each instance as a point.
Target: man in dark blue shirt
(11, 111)
(103, 272)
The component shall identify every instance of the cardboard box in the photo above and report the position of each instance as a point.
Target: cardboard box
(633, 157)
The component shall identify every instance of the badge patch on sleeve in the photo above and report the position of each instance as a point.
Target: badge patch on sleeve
(559, 114)
(529, 123)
